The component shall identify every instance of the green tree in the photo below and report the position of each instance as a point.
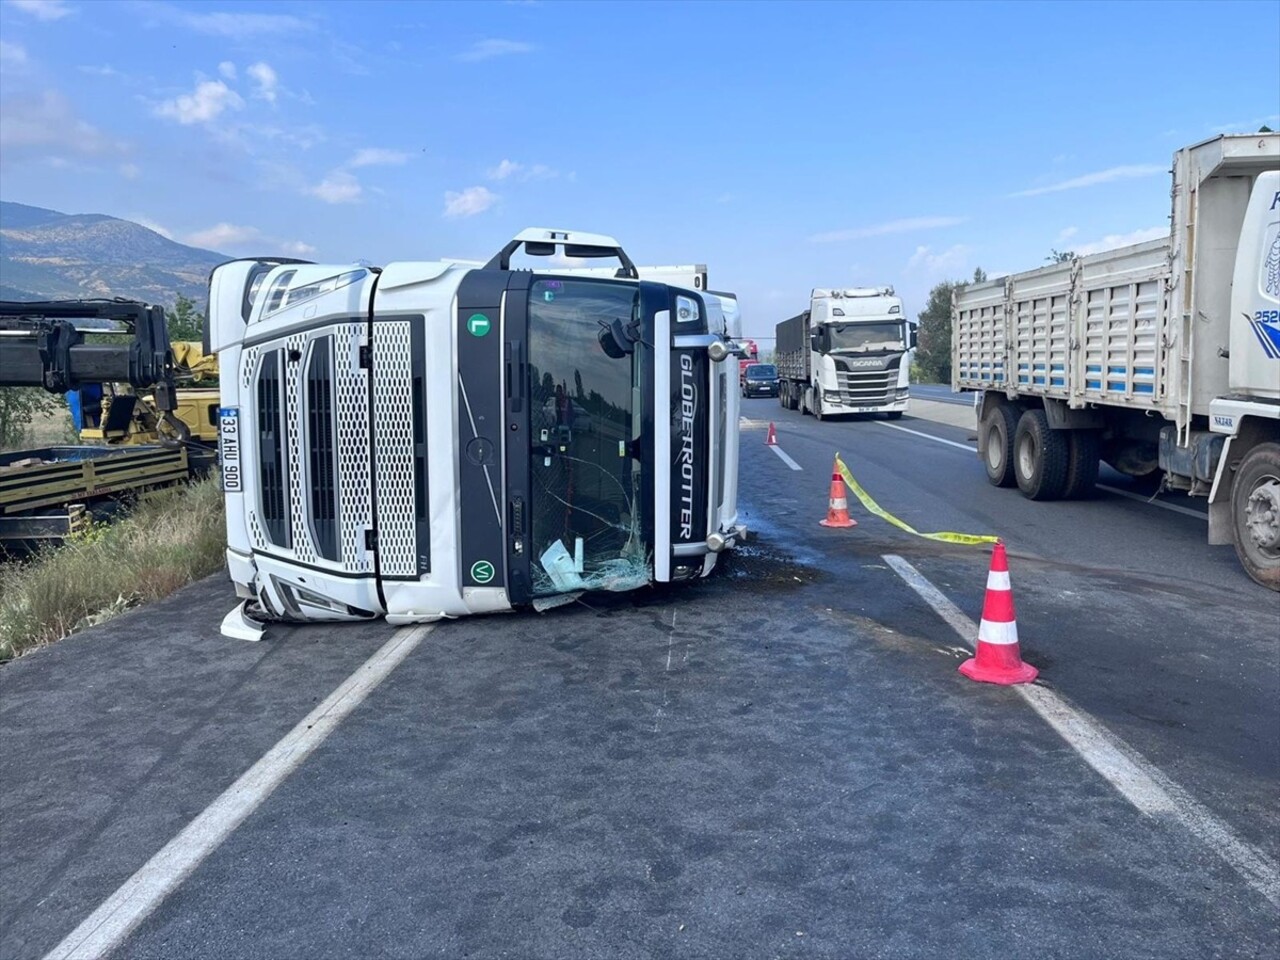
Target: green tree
(933, 354)
(185, 321)
(18, 407)
(1061, 256)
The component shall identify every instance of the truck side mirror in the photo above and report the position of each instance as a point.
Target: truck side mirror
(815, 341)
(615, 339)
(914, 337)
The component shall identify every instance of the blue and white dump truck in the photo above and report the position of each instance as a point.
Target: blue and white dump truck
(435, 439)
(1162, 356)
(850, 352)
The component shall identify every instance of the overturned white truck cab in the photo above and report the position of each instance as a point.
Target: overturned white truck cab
(436, 439)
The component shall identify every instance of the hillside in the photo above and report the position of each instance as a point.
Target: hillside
(47, 255)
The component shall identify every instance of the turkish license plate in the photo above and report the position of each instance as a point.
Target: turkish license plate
(229, 446)
(865, 409)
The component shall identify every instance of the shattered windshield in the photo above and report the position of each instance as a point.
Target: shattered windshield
(865, 337)
(585, 523)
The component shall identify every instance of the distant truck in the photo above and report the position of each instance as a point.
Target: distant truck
(848, 353)
(1162, 356)
(748, 353)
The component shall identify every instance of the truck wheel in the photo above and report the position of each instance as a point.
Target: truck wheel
(817, 404)
(1083, 457)
(894, 414)
(1255, 514)
(998, 428)
(1039, 457)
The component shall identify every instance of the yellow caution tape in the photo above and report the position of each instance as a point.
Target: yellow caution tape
(883, 514)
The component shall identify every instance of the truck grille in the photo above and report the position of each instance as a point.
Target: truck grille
(399, 448)
(324, 491)
(273, 467)
(866, 389)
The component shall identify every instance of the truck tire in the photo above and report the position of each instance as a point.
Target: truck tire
(817, 404)
(1039, 457)
(894, 414)
(1084, 454)
(998, 428)
(1255, 514)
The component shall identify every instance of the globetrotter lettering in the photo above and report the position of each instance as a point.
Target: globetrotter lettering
(688, 410)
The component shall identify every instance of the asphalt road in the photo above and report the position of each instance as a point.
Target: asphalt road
(941, 394)
(779, 761)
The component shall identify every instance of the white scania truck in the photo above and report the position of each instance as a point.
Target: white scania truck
(435, 439)
(850, 352)
(1162, 356)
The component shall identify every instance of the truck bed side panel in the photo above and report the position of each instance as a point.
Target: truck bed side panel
(1096, 330)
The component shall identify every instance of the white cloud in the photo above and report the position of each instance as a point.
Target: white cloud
(296, 248)
(488, 49)
(236, 26)
(268, 83)
(726, 198)
(48, 121)
(227, 69)
(1066, 233)
(510, 170)
(130, 171)
(42, 9)
(469, 202)
(152, 226)
(1248, 126)
(505, 169)
(338, 187)
(12, 55)
(378, 157)
(906, 225)
(1110, 175)
(209, 99)
(106, 70)
(222, 235)
(946, 263)
(1113, 240)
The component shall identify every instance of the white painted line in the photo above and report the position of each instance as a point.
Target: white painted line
(107, 927)
(929, 436)
(1132, 775)
(1101, 486)
(1154, 503)
(786, 459)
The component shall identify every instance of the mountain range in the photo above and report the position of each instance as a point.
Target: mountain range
(47, 255)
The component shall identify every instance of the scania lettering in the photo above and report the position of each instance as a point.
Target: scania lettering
(850, 352)
(436, 439)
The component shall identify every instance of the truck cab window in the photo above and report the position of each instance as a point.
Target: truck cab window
(585, 522)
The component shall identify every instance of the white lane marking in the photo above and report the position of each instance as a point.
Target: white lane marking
(786, 459)
(1154, 503)
(108, 926)
(1136, 779)
(1101, 486)
(929, 436)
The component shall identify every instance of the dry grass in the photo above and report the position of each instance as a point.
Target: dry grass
(170, 539)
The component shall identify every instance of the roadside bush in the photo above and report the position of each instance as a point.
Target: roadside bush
(168, 540)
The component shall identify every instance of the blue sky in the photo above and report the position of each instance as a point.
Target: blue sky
(786, 146)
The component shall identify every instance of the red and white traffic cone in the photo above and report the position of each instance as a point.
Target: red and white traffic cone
(838, 504)
(998, 659)
(771, 438)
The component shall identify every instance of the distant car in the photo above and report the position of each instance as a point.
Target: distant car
(760, 380)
